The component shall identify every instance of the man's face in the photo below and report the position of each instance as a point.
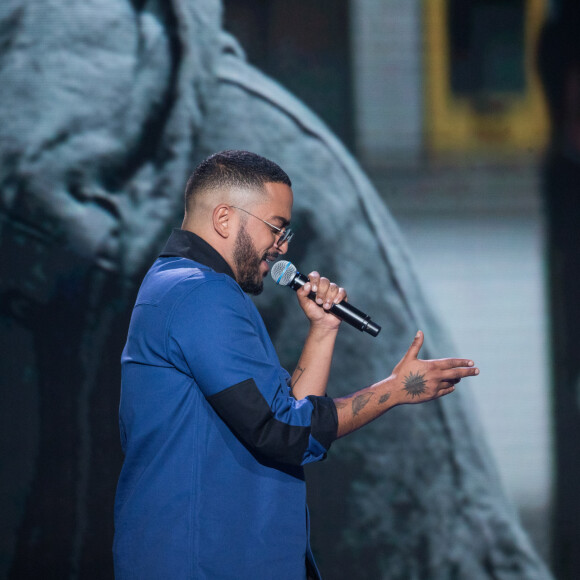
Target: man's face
(256, 243)
(247, 262)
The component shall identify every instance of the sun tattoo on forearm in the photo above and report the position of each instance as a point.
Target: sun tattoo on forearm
(415, 384)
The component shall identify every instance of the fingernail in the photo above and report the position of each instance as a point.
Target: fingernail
(314, 288)
(476, 372)
(470, 363)
(319, 301)
(418, 334)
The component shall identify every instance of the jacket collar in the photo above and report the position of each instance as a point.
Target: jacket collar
(186, 244)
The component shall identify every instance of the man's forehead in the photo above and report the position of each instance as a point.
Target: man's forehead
(278, 201)
(279, 193)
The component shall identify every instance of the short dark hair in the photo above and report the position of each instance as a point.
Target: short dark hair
(233, 168)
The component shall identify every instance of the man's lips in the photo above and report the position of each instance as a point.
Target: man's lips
(270, 258)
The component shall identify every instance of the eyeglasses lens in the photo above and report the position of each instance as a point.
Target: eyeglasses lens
(286, 236)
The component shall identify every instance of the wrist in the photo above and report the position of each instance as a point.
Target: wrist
(321, 330)
(388, 393)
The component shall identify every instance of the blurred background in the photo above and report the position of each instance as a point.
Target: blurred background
(465, 115)
(442, 103)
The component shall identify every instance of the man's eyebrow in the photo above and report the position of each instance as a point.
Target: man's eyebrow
(283, 221)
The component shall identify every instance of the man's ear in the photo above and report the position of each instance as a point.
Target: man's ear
(221, 220)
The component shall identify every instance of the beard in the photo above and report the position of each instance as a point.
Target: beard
(247, 262)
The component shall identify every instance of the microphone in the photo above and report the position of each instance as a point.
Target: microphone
(285, 274)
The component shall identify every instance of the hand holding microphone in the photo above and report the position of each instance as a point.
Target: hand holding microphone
(285, 274)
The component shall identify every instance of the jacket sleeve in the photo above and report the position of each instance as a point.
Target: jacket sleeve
(216, 336)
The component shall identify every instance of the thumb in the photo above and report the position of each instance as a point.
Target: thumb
(302, 295)
(416, 345)
(304, 291)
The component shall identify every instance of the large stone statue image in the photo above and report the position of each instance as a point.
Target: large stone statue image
(105, 108)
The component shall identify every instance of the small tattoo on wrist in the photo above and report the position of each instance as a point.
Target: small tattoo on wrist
(384, 398)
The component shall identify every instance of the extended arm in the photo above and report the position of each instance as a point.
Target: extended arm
(412, 381)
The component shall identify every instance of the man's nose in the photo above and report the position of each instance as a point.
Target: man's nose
(281, 248)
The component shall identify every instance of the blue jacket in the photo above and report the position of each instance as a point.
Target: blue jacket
(212, 485)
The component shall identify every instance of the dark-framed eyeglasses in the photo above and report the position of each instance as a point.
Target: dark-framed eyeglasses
(285, 235)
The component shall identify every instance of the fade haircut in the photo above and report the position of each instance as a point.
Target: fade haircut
(234, 168)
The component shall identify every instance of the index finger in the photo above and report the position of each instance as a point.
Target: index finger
(451, 363)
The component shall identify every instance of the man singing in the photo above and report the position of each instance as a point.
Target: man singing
(215, 432)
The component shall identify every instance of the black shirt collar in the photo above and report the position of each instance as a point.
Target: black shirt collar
(186, 244)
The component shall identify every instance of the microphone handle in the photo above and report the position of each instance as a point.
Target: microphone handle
(342, 310)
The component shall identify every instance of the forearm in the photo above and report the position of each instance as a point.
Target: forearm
(313, 368)
(356, 410)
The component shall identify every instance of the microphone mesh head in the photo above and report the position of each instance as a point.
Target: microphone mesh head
(283, 272)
